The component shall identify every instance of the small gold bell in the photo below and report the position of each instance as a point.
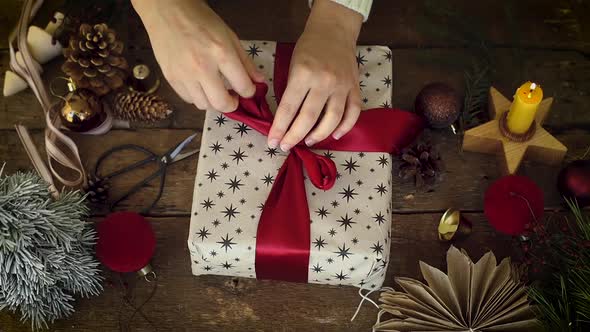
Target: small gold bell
(81, 110)
(453, 225)
(143, 79)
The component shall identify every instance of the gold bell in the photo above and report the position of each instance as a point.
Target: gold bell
(81, 110)
(453, 225)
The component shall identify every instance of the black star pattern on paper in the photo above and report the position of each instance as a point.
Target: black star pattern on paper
(350, 165)
(357, 211)
(260, 206)
(207, 268)
(207, 204)
(338, 175)
(381, 189)
(226, 242)
(355, 240)
(216, 147)
(204, 233)
(241, 129)
(329, 154)
(343, 251)
(362, 85)
(220, 120)
(319, 243)
(383, 161)
(332, 232)
(238, 156)
(212, 175)
(243, 201)
(359, 183)
(377, 248)
(234, 184)
(238, 231)
(322, 212)
(317, 268)
(335, 203)
(268, 179)
(224, 166)
(385, 104)
(346, 221)
(387, 55)
(253, 50)
(230, 212)
(379, 218)
(361, 154)
(367, 74)
(220, 194)
(341, 276)
(386, 81)
(226, 265)
(216, 223)
(250, 145)
(330, 260)
(246, 174)
(271, 152)
(365, 100)
(213, 253)
(360, 59)
(347, 193)
(228, 138)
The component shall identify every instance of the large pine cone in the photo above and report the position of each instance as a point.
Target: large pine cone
(422, 163)
(94, 60)
(140, 106)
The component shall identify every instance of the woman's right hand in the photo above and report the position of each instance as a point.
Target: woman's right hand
(194, 49)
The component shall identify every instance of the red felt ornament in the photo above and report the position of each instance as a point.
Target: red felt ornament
(574, 181)
(512, 202)
(126, 243)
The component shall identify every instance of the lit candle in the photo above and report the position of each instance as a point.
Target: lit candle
(524, 107)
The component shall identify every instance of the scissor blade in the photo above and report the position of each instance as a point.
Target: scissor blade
(184, 155)
(172, 155)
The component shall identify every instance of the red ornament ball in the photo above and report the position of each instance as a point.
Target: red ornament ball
(573, 181)
(126, 242)
(439, 104)
(507, 201)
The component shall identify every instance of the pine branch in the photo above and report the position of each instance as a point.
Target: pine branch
(477, 86)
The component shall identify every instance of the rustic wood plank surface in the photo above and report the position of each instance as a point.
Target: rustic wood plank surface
(431, 41)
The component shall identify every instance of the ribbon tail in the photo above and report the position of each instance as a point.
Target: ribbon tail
(283, 238)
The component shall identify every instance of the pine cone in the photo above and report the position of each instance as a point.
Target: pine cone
(97, 189)
(140, 106)
(422, 163)
(94, 60)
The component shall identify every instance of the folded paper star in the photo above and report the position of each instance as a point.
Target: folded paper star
(487, 138)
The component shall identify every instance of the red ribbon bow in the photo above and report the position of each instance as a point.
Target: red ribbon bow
(283, 237)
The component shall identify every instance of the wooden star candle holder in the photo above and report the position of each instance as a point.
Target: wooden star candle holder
(488, 138)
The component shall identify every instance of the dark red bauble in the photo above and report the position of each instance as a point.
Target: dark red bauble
(439, 104)
(573, 181)
(126, 242)
(505, 204)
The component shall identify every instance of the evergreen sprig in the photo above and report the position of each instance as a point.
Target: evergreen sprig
(46, 250)
(563, 301)
(477, 86)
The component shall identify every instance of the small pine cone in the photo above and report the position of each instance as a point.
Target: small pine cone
(140, 106)
(97, 189)
(422, 163)
(94, 59)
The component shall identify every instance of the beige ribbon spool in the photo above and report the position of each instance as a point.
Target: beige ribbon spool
(61, 150)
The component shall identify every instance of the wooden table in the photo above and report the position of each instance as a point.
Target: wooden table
(546, 41)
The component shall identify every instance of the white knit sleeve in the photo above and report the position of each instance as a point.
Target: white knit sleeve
(362, 7)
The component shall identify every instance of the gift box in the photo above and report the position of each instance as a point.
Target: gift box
(320, 215)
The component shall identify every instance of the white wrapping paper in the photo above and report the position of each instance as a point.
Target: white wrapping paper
(350, 223)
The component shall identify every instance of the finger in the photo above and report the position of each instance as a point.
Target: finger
(235, 73)
(198, 97)
(306, 119)
(217, 94)
(351, 113)
(286, 111)
(181, 91)
(249, 65)
(330, 119)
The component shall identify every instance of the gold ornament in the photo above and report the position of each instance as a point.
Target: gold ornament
(144, 80)
(81, 110)
(453, 225)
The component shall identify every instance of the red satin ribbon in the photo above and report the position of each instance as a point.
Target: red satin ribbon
(283, 237)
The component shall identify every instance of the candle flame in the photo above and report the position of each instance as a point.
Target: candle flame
(531, 89)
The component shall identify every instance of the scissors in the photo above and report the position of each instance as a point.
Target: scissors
(172, 156)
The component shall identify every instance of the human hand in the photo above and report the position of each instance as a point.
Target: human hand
(323, 75)
(194, 48)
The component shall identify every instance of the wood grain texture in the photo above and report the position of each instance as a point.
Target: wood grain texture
(462, 184)
(213, 303)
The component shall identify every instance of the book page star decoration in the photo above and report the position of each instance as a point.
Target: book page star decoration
(488, 138)
(472, 296)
